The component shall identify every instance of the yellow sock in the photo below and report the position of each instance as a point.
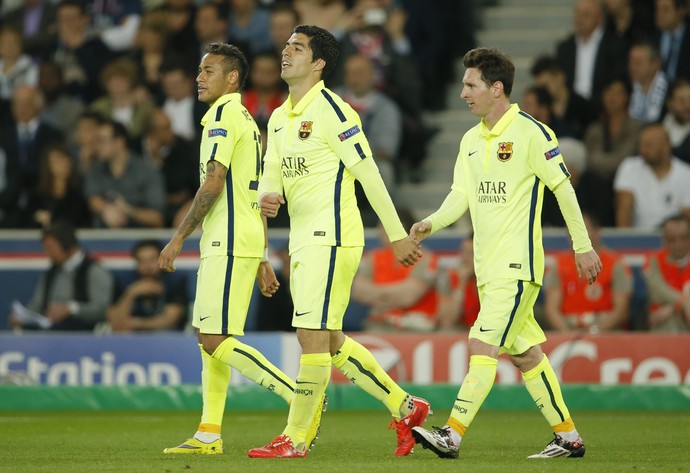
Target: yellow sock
(475, 387)
(252, 364)
(215, 377)
(312, 379)
(543, 386)
(359, 366)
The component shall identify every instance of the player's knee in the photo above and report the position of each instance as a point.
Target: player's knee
(210, 342)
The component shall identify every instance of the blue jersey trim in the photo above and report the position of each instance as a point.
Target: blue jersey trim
(564, 169)
(532, 218)
(541, 127)
(231, 211)
(338, 112)
(336, 202)
(213, 152)
(368, 374)
(329, 286)
(226, 295)
(219, 111)
(258, 363)
(360, 151)
(553, 398)
(518, 296)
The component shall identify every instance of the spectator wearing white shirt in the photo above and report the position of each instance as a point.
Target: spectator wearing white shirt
(180, 104)
(16, 68)
(653, 186)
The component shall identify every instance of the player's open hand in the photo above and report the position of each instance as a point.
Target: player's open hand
(420, 231)
(270, 203)
(266, 277)
(167, 257)
(588, 265)
(407, 252)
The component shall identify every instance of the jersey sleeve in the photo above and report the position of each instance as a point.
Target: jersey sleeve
(270, 179)
(546, 159)
(222, 135)
(346, 138)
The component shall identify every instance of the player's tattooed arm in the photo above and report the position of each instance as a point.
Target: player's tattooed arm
(205, 197)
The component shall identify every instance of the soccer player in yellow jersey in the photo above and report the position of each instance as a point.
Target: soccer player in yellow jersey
(501, 170)
(316, 150)
(233, 245)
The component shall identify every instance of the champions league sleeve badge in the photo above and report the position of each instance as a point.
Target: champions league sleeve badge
(505, 151)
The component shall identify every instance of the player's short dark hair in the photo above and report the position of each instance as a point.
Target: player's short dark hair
(546, 64)
(234, 59)
(542, 95)
(323, 45)
(63, 232)
(494, 66)
(146, 243)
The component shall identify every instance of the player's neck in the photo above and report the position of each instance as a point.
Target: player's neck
(496, 113)
(300, 89)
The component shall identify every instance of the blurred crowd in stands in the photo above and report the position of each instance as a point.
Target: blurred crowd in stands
(98, 113)
(619, 86)
(100, 127)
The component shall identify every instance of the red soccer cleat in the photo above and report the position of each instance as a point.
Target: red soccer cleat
(280, 447)
(403, 427)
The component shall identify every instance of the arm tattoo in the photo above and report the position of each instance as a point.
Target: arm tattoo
(203, 201)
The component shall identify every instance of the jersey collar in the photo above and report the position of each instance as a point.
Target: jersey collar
(221, 100)
(502, 123)
(306, 100)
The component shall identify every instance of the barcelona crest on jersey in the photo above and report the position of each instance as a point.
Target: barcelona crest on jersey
(505, 151)
(304, 130)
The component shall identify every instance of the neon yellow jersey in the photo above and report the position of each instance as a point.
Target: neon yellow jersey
(503, 172)
(314, 144)
(233, 226)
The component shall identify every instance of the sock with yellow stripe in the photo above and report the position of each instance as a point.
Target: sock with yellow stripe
(312, 379)
(359, 366)
(543, 386)
(475, 387)
(253, 365)
(215, 378)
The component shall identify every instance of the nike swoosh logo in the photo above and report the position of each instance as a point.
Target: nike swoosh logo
(462, 400)
(300, 314)
(304, 382)
(482, 329)
(472, 153)
(201, 319)
(276, 130)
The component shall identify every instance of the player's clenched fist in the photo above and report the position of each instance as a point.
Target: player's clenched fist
(270, 203)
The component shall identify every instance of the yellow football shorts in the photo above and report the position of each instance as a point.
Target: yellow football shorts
(223, 290)
(506, 318)
(320, 280)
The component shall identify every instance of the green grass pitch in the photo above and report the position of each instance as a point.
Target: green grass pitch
(350, 441)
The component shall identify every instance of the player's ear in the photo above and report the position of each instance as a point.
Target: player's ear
(233, 77)
(319, 65)
(497, 89)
